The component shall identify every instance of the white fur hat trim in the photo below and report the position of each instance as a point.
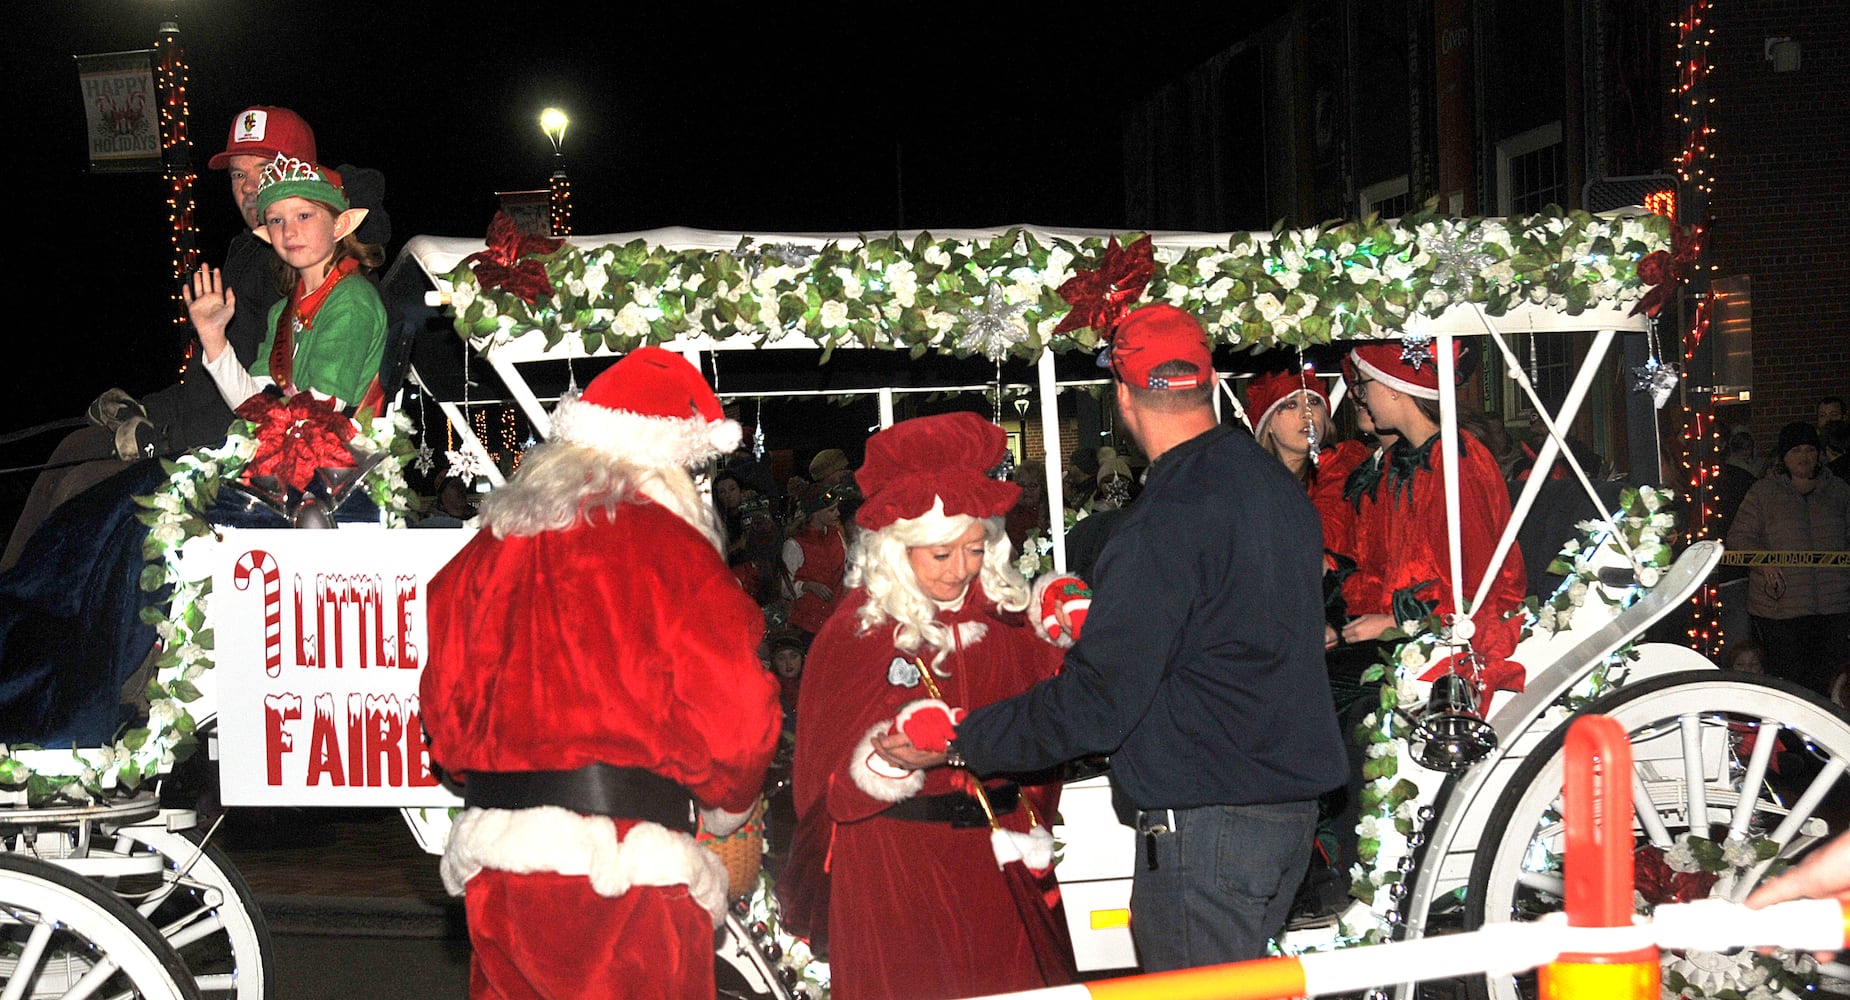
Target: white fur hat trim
(646, 441)
(550, 839)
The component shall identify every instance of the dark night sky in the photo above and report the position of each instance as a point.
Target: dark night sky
(761, 118)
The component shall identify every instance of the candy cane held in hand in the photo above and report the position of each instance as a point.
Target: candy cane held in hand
(264, 564)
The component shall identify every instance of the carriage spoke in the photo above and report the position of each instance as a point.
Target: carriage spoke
(1696, 792)
(1765, 739)
(1646, 811)
(27, 968)
(1789, 827)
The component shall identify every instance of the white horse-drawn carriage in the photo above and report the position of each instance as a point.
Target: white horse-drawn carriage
(103, 893)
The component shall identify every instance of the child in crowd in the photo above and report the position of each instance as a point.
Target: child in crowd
(327, 334)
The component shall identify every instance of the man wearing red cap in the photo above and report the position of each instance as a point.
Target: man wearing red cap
(593, 679)
(1200, 669)
(189, 413)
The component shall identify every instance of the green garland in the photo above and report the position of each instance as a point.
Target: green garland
(1296, 286)
(178, 554)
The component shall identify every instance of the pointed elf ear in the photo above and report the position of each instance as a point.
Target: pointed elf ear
(262, 233)
(348, 222)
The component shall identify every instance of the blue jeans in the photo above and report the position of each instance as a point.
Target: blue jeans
(1222, 881)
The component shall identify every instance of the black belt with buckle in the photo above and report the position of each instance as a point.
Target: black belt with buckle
(959, 809)
(592, 790)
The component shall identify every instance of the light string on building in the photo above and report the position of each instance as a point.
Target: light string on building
(170, 80)
(1701, 449)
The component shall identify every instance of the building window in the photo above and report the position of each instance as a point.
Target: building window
(1530, 171)
(1388, 199)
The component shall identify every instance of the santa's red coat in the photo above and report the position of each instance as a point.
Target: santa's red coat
(915, 910)
(624, 641)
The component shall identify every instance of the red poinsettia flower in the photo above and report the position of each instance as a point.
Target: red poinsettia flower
(1659, 883)
(1101, 298)
(295, 437)
(507, 263)
(1664, 270)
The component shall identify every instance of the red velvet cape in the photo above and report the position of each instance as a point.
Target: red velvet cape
(915, 910)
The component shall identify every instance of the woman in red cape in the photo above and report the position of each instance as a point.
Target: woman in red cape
(894, 871)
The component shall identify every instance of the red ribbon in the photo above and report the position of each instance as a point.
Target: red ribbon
(1664, 271)
(295, 437)
(506, 264)
(1101, 298)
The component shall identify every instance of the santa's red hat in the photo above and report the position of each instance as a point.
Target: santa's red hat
(651, 408)
(1388, 364)
(1266, 393)
(945, 458)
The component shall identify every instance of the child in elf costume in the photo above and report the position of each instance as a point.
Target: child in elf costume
(327, 334)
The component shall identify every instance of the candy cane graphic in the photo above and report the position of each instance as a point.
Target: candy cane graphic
(264, 564)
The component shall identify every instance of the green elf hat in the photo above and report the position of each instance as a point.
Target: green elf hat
(288, 177)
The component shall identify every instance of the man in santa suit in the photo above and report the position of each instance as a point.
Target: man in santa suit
(592, 682)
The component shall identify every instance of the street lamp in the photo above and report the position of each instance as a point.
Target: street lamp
(553, 123)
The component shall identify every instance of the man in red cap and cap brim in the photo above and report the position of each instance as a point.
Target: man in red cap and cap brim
(189, 413)
(593, 680)
(1200, 669)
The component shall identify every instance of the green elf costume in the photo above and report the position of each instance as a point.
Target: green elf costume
(330, 340)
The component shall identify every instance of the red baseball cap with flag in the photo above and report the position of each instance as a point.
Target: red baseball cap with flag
(1155, 336)
(262, 130)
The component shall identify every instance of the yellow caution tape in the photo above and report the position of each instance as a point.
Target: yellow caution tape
(1769, 558)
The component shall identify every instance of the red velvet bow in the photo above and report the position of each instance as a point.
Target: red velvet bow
(502, 265)
(1664, 270)
(1658, 883)
(296, 436)
(1101, 298)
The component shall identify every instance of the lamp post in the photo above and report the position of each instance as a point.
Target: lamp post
(553, 123)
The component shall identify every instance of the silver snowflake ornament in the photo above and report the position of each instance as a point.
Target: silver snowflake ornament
(465, 465)
(993, 329)
(1415, 350)
(1656, 378)
(1457, 254)
(425, 460)
(758, 441)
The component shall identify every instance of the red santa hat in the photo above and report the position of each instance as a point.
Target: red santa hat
(944, 458)
(1388, 363)
(1266, 393)
(651, 408)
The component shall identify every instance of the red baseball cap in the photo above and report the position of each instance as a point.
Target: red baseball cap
(1154, 336)
(261, 130)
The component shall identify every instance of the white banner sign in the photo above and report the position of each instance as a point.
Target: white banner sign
(320, 640)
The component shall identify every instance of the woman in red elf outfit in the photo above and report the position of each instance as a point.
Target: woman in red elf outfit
(1291, 421)
(896, 872)
(815, 559)
(1405, 568)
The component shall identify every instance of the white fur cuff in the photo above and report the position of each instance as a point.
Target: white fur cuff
(1039, 622)
(550, 839)
(879, 779)
(1034, 848)
(718, 822)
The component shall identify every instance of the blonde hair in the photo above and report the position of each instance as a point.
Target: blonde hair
(879, 562)
(1326, 430)
(560, 484)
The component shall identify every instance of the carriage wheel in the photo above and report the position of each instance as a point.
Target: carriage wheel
(206, 911)
(1678, 723)
(62, 935)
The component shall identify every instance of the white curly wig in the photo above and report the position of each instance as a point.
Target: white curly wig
(879, 563)
(561, 483)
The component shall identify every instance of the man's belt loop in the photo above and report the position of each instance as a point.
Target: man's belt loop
(592, 790)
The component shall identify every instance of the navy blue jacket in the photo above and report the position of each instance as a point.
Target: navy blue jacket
(1200, 670)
